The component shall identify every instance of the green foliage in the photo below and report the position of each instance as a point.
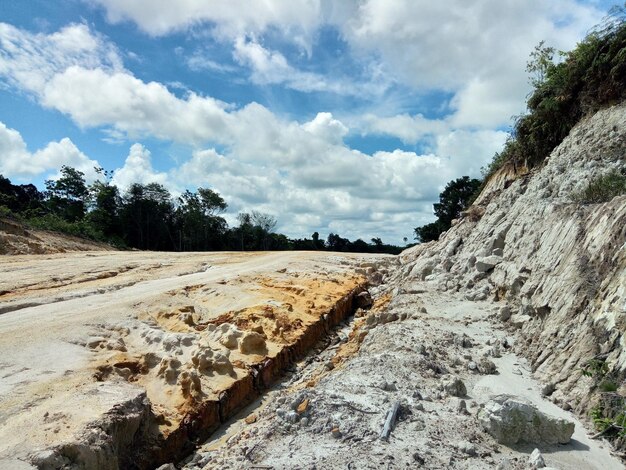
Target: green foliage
(602, 189)
(612, 424)
(455, 198)
(56, 223)
(67, 195)
(429, 232)
(607, 386)
(596, 368)
(588, 78)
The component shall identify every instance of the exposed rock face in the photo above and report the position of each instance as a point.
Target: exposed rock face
(511, 420)
(558, 268)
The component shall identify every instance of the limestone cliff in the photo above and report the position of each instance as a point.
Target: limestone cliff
(557, 267)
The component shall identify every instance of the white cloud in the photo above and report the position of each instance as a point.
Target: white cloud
(271, 68)
(303, 172)
(409, 129)
(326, 127)
(231, 19)
(477, 50)
(28, 61)
(133, 106)
(138, 169)
(469, 151)
(16, 162)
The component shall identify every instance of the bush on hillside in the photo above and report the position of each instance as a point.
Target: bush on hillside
(602, 189)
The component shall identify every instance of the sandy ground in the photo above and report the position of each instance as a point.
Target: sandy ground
(81, 332)
(326, 419)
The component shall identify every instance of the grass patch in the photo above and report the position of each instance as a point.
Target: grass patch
(602, 189)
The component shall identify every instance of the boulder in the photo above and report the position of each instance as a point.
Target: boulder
(511, 420)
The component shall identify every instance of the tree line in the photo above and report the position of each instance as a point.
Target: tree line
(148, 217)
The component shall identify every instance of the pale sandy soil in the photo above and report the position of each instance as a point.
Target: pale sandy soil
(81, 332)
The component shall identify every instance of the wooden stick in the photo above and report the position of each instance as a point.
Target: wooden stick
(392, 415)
(609, 428)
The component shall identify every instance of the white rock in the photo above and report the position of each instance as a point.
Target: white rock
(510, 420)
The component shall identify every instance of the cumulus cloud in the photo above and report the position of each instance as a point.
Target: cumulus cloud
(138, 168)
(133, 106)
(16, 162)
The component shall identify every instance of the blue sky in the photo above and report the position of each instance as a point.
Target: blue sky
(345, 117)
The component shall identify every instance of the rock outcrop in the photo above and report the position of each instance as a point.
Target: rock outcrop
(557, 267)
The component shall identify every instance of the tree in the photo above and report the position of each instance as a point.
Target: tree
(67, 195)
(540, 64)
(104, 202)
(455, 197)
(197, 224)
(20, 199)
(147, 215)
(265, 225)
(317, 243)
(245, 227)
(336, 243)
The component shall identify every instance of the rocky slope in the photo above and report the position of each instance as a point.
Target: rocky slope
(557, 268)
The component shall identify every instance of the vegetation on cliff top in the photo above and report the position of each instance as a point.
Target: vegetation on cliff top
(567, 87)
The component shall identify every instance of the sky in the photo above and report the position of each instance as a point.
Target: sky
(334, 116)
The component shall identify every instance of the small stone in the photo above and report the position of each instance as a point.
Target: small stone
(505, 464)
(548, 389)
(336, 433)
(486, 366)
(303, 407)
(472, 365)
(487, 263)
(536, 460)
(467, 448)
(461, 407)
(364, 300)
(250, 419)
(511, 420)
(455, 387)
(505, 313)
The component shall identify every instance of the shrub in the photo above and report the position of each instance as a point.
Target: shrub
(602, 189)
